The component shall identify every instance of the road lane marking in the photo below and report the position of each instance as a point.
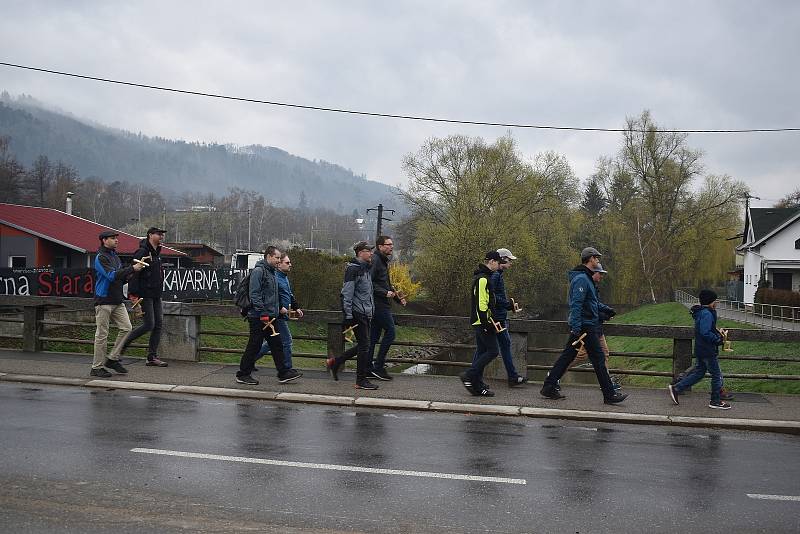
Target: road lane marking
(774, 497)
(330, 467)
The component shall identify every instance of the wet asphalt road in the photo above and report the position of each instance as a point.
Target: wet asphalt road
(67, 466)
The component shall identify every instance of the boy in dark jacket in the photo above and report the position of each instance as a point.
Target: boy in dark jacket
(482, 304)
(146, 285)
(265, 305)
(110, 276)
(707, 340)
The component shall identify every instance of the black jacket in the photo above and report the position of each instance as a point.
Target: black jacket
(381, 285)
(149, 282)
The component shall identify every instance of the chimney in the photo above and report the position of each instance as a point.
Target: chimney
(69, 202)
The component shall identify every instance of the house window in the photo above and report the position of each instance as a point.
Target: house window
(17, 262)
(782, 281)
(60, 262)
(797, 245)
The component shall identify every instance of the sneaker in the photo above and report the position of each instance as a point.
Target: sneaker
(381, 374)
(615, 383)
(552, 392)
(289, 375)
(100, 372)
(247, 379)
(616, 399)
(673, 394)
(333, 368)
(516, 381)
(466, 382)
(483, 391)
(116, 366)
(719, 405)
(365, 384)
(725, 394)
(155, 362)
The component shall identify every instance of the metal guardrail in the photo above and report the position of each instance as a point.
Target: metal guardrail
(190, 316)
(759, 314)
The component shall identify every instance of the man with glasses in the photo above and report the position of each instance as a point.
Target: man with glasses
(287, 302)
(500, 312)
(584, 322)
(382, 320)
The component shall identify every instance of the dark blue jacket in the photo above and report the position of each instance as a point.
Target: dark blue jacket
(706, 337)
(584, 304)
(285, 295)
(501, 302)
(263, 291)
(109, 277)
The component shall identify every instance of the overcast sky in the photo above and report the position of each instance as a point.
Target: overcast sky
(693, 64)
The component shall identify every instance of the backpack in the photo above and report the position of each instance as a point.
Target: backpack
(241, 298)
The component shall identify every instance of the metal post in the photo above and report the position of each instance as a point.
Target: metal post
(249, 209)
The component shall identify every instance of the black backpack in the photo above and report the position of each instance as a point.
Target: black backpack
(241, 298)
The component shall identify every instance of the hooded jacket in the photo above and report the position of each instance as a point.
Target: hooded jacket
(584, 304)
(706, 337)
(483, 300)
(502, 304)
(357, 290)
(381, 284)
(149, 282)
(110, 276)
(264, 297)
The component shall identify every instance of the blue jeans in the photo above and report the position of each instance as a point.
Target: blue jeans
(504, 343)
(382, 321)
(282, 326)
(704, 363)
(486, 352)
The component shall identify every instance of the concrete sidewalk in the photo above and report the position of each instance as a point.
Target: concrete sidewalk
(751, 411)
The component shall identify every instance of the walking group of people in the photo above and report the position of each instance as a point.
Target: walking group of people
(366, 296)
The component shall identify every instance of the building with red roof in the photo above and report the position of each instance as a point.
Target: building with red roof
(33, 237)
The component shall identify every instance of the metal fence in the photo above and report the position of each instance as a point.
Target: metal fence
(768, 315)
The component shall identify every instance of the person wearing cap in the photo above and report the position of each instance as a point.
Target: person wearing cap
(357, 307)
(605, 314)
(383, 294)
(146, 286)
(500, 313)
(110, 276)
(584, 321)
(482, 304)
(261, 316)
(707, 340)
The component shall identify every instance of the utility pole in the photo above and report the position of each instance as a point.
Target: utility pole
(380, 209)
(249, 210)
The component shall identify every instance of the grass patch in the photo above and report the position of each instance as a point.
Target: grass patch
(675, 314)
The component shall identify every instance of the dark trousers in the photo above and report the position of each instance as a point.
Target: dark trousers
(596, 356)
(382, 322)
(361, 348)
(487, 350)
(153, 317)
(257, 337)
(704, 363)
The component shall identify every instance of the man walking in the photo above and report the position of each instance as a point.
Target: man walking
(110, 276)
(500, 313)
(583, 324)
(707, 340)
(382, 320)
(263, 312)
(287, 302)
(482, 304)
(146, 286)
(358, 307)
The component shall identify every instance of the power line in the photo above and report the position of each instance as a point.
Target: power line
(375, 114)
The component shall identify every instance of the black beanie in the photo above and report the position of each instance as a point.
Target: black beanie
(707, 296)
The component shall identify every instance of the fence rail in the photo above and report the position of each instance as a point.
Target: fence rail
(182, 335)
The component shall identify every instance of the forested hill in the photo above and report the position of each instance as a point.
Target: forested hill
(171, 166)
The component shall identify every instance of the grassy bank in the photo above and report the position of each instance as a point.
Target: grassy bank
(674, 314)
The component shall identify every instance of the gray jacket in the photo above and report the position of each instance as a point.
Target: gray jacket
(263, 291)
(357, 290)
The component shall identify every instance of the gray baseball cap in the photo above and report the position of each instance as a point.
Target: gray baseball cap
(588, 252)
(599, 269)
(505, 253)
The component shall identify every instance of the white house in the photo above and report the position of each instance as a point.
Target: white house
(770, 249)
